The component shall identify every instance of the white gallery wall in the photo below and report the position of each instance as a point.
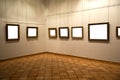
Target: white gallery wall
(25, 13)
(70, 13)
(59, 13)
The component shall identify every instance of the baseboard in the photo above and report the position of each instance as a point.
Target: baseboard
(8, 59)
(110, 62)
(117, 63)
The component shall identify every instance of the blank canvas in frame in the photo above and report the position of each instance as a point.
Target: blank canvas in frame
(77, 32)
(63, 32)
(32, 32)
(98, 32)
(52, 32)
(12, 32)
(118, 32)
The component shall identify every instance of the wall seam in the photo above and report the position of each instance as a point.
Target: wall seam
(84, 10)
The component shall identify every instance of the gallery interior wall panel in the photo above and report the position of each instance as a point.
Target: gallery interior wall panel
(3, 10)
(1, 36)
(12, 48)
(64, 6)
(77, 19)
(3, 33)
(52, 5)
(77, 5)
(119, 14)
(52, 21)
(114, 2)
(99, 15)
(85, 4)
(114, 15)
(25, 13)
(64, 20)
(12, 10)
(41, 12)
(32, 8)
(60, 13)
(24, 46)
(98, 3)
(22, 11)
(86, 21)
(88, 12)
(114, 21)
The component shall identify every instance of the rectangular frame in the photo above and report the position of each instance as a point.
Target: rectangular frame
(98, 32)
(75, 34)
(12, 32)
(32, 32)
(52, 32)
(64, 32)
(118, 32)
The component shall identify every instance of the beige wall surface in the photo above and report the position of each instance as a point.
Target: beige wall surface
(70, 13)
(25, 13)
(60, 13)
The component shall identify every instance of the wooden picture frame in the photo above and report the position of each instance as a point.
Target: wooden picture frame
(118, 32)
(12, 32)
(32, 32)
(64, 32)
(98, 32)
(52, 32)
(77, 32)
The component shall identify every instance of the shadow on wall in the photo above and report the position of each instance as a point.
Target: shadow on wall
(45, 3)
(12, 41)
(32, 39)
(105, 42)
(64, 39)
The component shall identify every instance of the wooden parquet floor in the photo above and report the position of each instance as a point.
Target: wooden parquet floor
(57, 67)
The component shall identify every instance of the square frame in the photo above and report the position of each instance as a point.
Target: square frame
(117, 32)
(64, 32)
(104, 27)
(33, 30)
(52, 34)
(12, 33)
(73, 34)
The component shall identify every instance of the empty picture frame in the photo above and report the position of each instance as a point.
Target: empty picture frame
(12, 32)
(77, 32)
(63, 32)
(98, 32)
(52, 32)
(118, 32)
(32, 32)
